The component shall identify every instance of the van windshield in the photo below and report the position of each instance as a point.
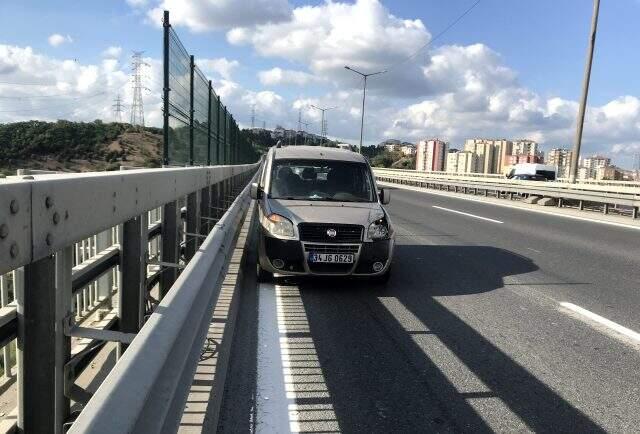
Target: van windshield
(321, 180)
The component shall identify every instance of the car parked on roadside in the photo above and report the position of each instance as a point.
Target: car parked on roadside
(321, 214)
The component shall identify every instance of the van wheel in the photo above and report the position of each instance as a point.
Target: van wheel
(263, 275)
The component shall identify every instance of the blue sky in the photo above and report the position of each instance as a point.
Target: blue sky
(509, 68)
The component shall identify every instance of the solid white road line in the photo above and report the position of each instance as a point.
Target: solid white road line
(272, 406)
(506, 205)
(289, 368)
(469, 215)
(610, 325)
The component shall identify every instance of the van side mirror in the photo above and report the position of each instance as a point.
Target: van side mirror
(385, 196)
(255, 192)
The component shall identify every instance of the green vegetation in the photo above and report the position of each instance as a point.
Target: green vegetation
(62, 145)
(262, 140)
(393, 159)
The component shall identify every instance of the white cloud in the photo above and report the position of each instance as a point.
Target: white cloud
(137, 3)
(68, 89)
(113, 52)
(207, 15)
(279, 76)
(220, 66)
(325, 38)
(57, 39)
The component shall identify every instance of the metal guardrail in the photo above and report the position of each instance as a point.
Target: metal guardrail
(494, 176)
(147, 389)
(581, 193)
(50, 231)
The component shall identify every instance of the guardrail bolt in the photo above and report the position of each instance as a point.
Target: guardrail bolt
(13, 251)
(66, 215)
(4, 231)
(56, 218)
(48, 202)
(49, 239)
(14, 207)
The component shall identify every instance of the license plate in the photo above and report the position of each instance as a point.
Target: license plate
(331, 258)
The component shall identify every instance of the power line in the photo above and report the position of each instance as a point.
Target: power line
(323, 124)
(253, 116)
(137, 106)
(117, 109)
(71, 101)
(436, 37)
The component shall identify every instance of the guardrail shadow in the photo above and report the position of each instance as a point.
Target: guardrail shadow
(381, 380)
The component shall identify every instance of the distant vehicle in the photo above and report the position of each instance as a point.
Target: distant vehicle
(530, 177)
(532, 172)
(320, 213)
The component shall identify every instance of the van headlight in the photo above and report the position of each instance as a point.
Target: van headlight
(379, 229)
(278, 226)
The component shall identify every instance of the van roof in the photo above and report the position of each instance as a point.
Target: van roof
(316, 153)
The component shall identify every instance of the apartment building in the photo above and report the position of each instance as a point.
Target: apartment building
(431, 155)
(525, 147)
(561, 158)
(492, 153)
(462, 162)
(523, 158)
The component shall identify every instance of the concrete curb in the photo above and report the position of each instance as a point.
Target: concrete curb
(202, 410)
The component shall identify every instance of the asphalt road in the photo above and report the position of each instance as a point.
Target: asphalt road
(495, 319)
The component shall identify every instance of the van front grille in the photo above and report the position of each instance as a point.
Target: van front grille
(319, 232)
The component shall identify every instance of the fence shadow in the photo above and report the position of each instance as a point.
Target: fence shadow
(381, 380)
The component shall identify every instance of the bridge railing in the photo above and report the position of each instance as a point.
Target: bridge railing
(148, 388)
(581, 194)
(85, 259)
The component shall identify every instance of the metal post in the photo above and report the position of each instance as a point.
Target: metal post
(224, 142)
(105, 282)
(36, 348)
(605, 208)
(64, 299)
(4, 300)
(209, 126)
(219, 105)
(191, 111)
(134, 272)
(193, 211)
(170, 245)
(364, 96)
(575, 158)
(165, 89)
(205, 208)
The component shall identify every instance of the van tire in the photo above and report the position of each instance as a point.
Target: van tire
(263, 275)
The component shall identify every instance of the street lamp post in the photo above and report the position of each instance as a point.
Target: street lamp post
(364, 96)
(323, 130)
(575, 158)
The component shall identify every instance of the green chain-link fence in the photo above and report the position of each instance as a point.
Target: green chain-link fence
(198, 129)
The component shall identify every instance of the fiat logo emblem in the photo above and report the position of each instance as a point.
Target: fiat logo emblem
(332, 233)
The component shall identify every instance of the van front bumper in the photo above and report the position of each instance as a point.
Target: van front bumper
(294, 255)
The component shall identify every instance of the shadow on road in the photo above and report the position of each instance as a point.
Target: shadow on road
(381, 380)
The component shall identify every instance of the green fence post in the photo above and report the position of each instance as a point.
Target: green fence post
(209, 128)
(165, 90)
(218, 131)
(192, 68)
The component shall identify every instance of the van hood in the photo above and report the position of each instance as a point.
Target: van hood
(300, 211)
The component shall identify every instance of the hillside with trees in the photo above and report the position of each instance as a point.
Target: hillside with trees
(77, 146)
